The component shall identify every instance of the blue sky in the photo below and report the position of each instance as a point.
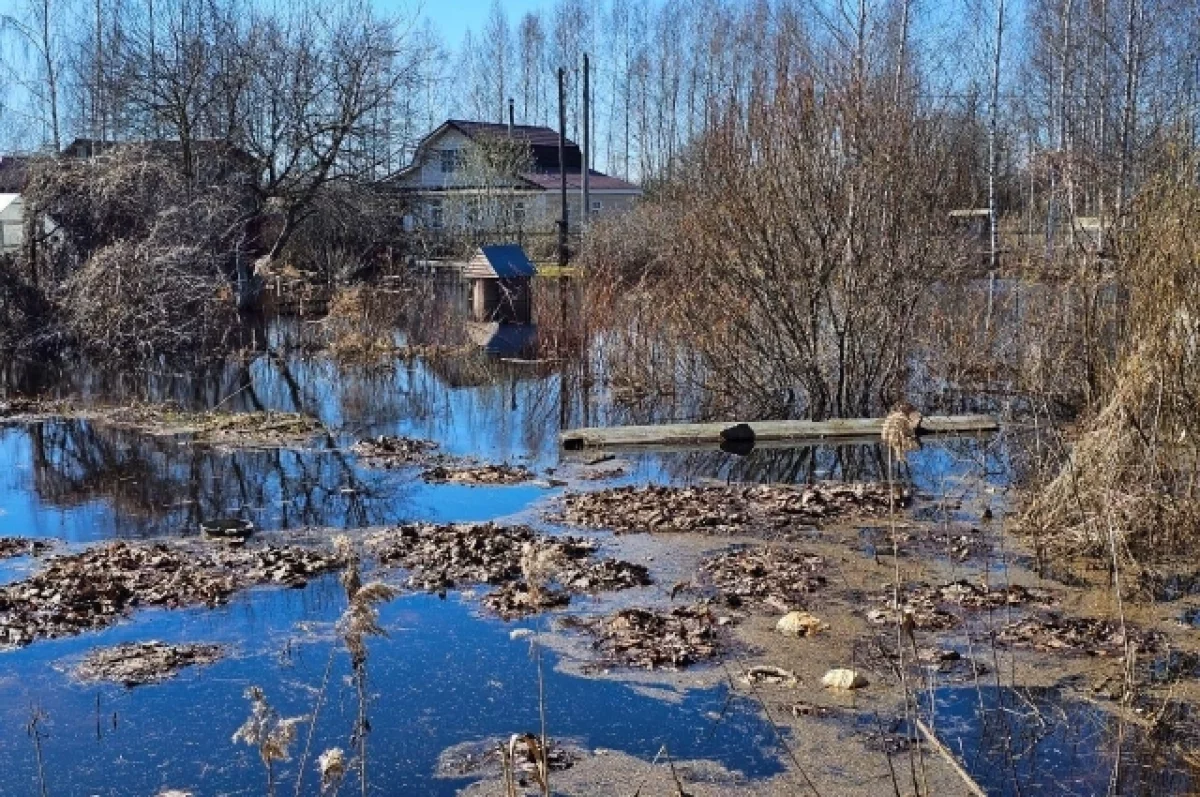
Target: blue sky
(453, 18)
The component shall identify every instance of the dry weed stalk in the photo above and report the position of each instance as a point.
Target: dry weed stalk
(540, 564)
(332, 765)
(34, 728)
(265, 730)
(359, 621)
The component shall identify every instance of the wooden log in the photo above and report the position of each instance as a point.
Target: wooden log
(800, 432)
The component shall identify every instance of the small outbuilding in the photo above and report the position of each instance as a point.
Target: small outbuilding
(501, 284)
(12, 223)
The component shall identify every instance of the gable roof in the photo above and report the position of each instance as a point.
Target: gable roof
(542, 141)
(534, 135)
(503, 261)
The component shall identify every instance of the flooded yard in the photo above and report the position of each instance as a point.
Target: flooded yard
(683, 682)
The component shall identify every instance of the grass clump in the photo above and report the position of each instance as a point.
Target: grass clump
(1130, 483)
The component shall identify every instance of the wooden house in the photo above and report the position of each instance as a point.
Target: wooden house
(500, 277)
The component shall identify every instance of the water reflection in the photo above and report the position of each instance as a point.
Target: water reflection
(1039, 741)
(450, 677)
(84, 481)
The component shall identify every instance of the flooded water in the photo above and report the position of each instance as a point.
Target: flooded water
(445, 675)
(1039, 741)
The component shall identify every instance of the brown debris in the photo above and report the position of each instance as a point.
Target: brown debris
(655, 640)
(11, 547)
(96, 587)
(770, 576)
(398, 452)
(441, 557)
(925, 602)
(765, 510)
(917, 612)
(393, 452)
(264, 429)
(136, 663)
(18, 406)
(467, 473)
(1087, 635)
(472, 759)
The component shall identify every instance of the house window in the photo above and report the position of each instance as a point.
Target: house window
(451, 160)
(436, 218)
(597, 206)
(519, 214)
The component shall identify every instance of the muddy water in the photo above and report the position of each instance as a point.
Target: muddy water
(445, 675)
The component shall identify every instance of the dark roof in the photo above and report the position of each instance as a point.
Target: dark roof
(505, 261)
(536, 135)
(214, 148)
(542, 141)
(597, 180)
(14, 173)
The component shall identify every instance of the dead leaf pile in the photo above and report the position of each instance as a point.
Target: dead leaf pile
(22, 546)
(926, 602)
(136, 663)
(441, 557)
(655, 640)
(213, 427)
(781, 578)
(1088, 635)
(394, 452)
(764, 510)
(466, 473)
(94, 588)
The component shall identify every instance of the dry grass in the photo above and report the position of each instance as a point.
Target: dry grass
(1130, 480)
(266, 731)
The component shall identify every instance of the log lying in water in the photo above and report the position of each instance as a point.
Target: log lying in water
(759, 432)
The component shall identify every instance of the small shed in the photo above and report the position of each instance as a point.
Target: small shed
(12, 221)
(500, 278)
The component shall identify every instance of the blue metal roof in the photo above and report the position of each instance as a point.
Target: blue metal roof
(508, 261)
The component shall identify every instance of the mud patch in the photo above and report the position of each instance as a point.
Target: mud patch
(137, 663)
(761, 510)
(654, 640)
(534, 572)
(769, 576)
(95, 588)
(11, 547)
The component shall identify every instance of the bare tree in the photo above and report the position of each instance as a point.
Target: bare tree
(34, 29)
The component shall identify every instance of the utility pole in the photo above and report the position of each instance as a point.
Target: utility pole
(586, 207)
(994, 165)
(562, 165)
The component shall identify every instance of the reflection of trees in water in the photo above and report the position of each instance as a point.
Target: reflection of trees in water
(940, 460)
(1032, 741)
(158, 485)
(786, 465)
